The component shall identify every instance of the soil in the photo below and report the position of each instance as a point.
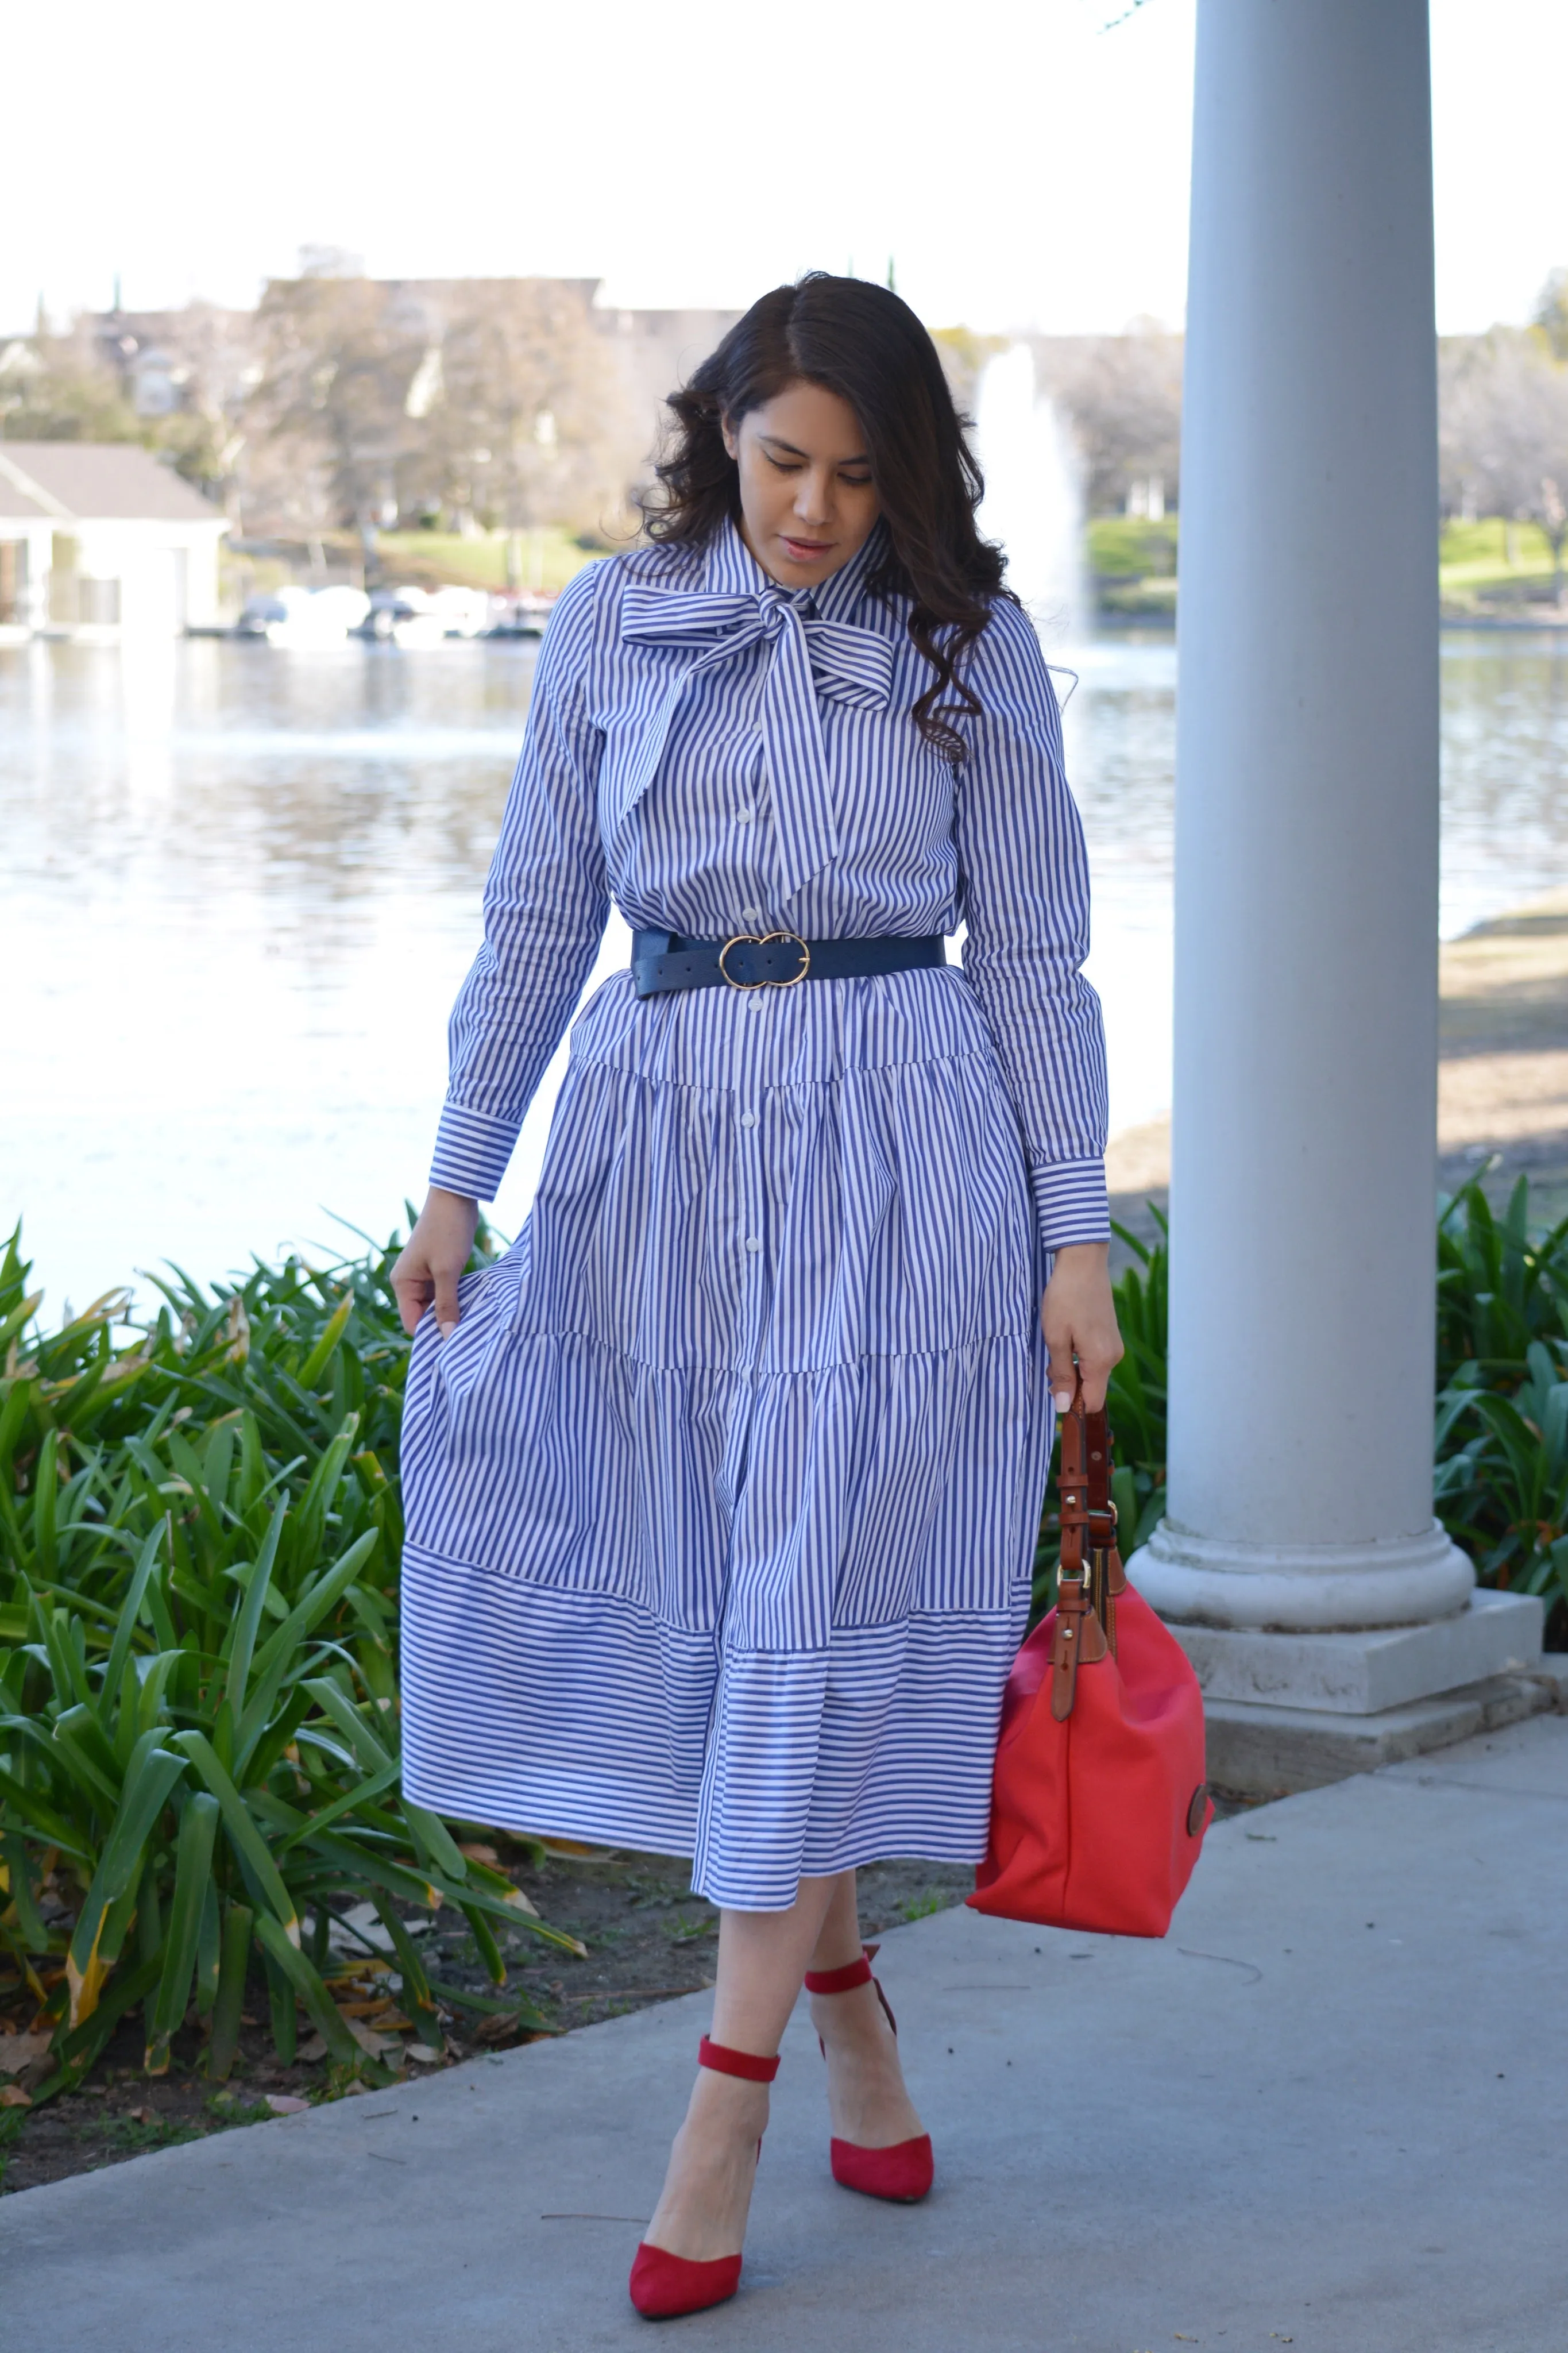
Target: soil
(648, 1938)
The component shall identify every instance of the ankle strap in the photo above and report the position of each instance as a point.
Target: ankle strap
(844, 1980)
(725, 2061)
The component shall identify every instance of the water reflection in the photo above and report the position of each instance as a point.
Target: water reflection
(241, 886)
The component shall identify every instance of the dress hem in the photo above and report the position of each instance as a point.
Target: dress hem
(610, 1828)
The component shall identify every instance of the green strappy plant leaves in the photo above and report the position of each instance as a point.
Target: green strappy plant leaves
(1502, 1406)
(200, 1535)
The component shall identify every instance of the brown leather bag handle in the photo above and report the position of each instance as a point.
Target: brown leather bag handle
(1089, 1574)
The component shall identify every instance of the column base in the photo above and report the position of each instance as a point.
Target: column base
(1302, 1589)
(1295, 1708)
(1379, 1667)
(1265, 1752)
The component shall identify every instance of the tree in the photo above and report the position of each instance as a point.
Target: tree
(964, 356)
(1123, 396)
(57, 387)
(327, 420)
(1503, 434)
(524, 411)
(1552, 313)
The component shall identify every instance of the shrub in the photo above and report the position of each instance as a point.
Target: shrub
(199, 1541)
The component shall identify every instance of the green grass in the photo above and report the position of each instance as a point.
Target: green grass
(1125, 548)
(1134, 563)
(134, 2137)
(549, 559)
(1475, 554)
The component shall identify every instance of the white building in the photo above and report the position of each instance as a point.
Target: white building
(100, 541)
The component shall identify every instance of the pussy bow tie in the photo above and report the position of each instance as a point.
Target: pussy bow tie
(810, 657)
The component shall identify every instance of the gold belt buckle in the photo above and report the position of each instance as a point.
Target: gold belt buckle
(766, 940)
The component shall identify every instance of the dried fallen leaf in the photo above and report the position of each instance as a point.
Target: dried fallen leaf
(19, 2051)
(312, 2050)
(284, 2104)
(496, 2029)
(369, 2040)
(142, 2115)
(481, 1855)
(12, 2095)
(365, 1922)
(363, 1978)
(425, 2054)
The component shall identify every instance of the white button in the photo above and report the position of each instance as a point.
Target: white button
(752, 1243)
(748, 1119)
(750, 914)
(755, 1000)
(745, 816)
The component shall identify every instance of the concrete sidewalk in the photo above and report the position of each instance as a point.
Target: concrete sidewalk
(1327, 2112)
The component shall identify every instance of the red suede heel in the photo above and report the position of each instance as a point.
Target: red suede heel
(903, 2173)
(663, 2286)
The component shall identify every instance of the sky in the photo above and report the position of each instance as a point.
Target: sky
(1024, 163)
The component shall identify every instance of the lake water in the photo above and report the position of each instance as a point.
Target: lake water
(241, 886)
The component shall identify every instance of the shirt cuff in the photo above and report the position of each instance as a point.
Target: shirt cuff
(1070, 1202)
(471, 1153)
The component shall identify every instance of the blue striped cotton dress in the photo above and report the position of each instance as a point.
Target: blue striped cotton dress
(722, 1494)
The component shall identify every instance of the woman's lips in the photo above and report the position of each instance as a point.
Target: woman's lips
(805, 551)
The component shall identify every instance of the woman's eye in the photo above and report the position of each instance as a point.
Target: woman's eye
(782, 465)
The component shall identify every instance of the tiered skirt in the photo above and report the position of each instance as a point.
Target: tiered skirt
(721, 1498)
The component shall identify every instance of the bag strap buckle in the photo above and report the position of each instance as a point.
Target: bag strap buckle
(1089, 1574)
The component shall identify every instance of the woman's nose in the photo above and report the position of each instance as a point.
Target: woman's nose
(814, 500)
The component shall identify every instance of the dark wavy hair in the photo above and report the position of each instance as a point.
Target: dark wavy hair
(862, 342)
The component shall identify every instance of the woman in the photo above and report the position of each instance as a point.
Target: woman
(722, 1483)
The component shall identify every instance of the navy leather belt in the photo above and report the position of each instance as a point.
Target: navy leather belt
(662, 960)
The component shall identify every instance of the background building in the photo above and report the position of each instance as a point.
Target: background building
(102, 542)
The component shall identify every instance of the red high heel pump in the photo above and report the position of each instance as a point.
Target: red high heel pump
(663, 2286)
(904, 2172)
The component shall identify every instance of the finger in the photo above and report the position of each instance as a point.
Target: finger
(1095, 1367)
(413, 1296)
(1063, 1375)
(447, 1311)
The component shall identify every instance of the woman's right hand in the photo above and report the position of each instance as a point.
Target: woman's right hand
(435, 1255)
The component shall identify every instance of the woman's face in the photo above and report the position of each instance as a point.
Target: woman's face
(807, 500)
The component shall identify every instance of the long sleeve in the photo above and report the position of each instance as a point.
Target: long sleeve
(545, 908)
(1024, 891)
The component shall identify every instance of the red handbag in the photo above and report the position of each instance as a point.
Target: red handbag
(1099, 1801)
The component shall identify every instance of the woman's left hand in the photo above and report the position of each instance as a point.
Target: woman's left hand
(1077, 1316)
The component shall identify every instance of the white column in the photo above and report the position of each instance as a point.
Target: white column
(1303, 1160)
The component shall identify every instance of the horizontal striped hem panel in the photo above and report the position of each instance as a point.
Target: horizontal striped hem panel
(583, 1716)
(1071, 1204)
(472, 1150)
